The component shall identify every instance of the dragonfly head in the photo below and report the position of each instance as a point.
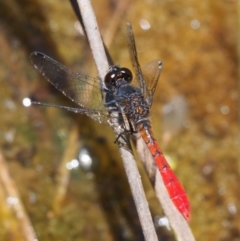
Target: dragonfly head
(117, 76)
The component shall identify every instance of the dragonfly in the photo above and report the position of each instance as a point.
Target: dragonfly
(132, 99)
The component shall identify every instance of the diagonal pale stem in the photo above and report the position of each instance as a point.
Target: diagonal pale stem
(133, 176)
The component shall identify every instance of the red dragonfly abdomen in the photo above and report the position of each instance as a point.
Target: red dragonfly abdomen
(174, 187)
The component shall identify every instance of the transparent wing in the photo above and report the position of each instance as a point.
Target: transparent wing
(81, 89)
(151, 73)
(134, 59)
(148, 78)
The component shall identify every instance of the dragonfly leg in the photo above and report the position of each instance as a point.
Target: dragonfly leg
(109, 103)
(133, 128)
(121, 135)
(123, 141)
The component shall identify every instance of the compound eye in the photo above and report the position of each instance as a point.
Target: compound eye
(110, 77)
(127, 74)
